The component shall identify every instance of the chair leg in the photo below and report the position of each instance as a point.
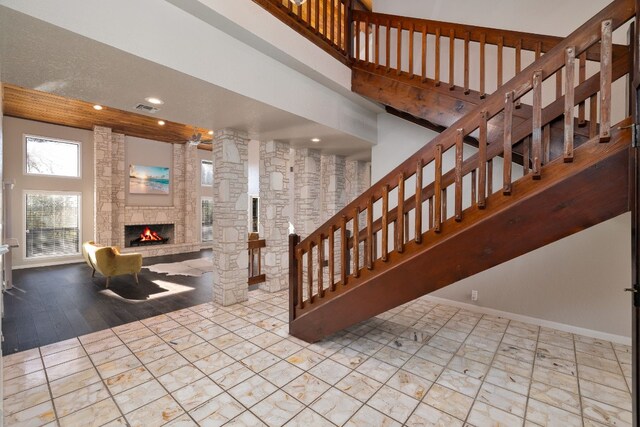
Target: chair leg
(108, 278)
(94, 273)
(136, 276)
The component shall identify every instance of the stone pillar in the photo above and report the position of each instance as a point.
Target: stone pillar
(178, 190)
(117, 189)
(102, 187)
(333, 197)
(192, 182)
(274, 200)
(230, 216)
(357, 178)
(306, 169)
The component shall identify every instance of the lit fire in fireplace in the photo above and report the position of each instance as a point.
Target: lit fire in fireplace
(148, 235)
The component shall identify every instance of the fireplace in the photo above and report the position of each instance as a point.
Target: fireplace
(147, 235)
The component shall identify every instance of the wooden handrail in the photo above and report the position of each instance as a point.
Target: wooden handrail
(491, 114)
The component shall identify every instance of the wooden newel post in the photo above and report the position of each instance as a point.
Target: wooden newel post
(294, 239)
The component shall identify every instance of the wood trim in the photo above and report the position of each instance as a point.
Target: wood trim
(46, 107)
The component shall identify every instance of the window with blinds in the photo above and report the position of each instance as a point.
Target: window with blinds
(207, 219)
(53, 157)
(52, 224)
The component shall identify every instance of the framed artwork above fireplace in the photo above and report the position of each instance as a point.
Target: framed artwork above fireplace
(149, 179)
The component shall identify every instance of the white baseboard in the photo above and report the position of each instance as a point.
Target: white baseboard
(617, 339)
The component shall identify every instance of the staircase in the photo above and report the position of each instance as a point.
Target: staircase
(451, 210)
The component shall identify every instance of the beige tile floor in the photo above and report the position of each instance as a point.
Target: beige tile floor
(421, 364)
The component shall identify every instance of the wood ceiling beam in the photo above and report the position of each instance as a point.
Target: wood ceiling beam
(45, 107)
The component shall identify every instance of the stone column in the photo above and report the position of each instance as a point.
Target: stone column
(333, 186)
(178, 190)
(274, 200)
(357, 178)
(192, 182)
(230, 216)
(306, 169)
(117, 189)
(102, 187)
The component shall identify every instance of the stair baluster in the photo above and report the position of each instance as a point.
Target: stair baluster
(606, 64)
(418, 207)
(482, 66)
(400, 215)
(458, 184)
(437, 221)
(569, 97)
(344, 250)
(536, 136)
(385, 222)
(466, 63)
(507, 145)
(482, 161)
(332, 260)
(411, 29)
(452, 58)
(582, 75)
(356, 243)
(321, 267)
(369, 251)
(399, 49)
(499, 60)
(310, 271)
(424, 54)
(436, 78)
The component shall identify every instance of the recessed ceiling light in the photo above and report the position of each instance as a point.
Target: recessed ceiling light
(154, 101)
(210, 132)
(97, 107)
(315, 139)
(161, 122)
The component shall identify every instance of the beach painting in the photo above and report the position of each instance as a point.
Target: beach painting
(148, 179)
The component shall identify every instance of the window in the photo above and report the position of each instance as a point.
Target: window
(206, 173)
(255, 214)
(52, 223)
(54, 157)
(207, 218)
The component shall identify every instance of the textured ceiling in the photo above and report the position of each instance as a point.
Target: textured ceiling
(40, 56)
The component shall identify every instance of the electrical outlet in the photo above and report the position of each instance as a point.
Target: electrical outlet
(474, 295)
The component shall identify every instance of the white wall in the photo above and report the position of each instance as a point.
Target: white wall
(14, 131)
(577, 281)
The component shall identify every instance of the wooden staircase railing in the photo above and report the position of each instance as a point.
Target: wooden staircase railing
(429, 197)
(424, 51)
(254, 247)
(324, 22)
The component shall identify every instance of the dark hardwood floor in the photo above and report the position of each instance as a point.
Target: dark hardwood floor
(51, 304)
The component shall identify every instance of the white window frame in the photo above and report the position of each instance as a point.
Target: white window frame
(203, 161)
(24, 223)
(201, 199)
(64, 141)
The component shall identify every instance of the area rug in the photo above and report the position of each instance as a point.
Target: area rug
(191, 267)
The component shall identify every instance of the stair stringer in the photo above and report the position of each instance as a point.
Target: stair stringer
(569, 198)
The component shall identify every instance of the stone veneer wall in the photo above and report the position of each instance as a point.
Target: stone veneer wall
(230, 216)
(102, 189)
(357, 178)
(274, 199)
(334, 196)
(111, 213)
(306, 169)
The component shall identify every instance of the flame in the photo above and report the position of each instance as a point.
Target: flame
(147, 235)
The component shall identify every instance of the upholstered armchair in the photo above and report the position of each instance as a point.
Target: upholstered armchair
(108, 261)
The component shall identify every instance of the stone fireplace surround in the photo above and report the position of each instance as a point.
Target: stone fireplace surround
(111, 213)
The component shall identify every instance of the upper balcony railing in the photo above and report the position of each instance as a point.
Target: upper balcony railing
(324, 22)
